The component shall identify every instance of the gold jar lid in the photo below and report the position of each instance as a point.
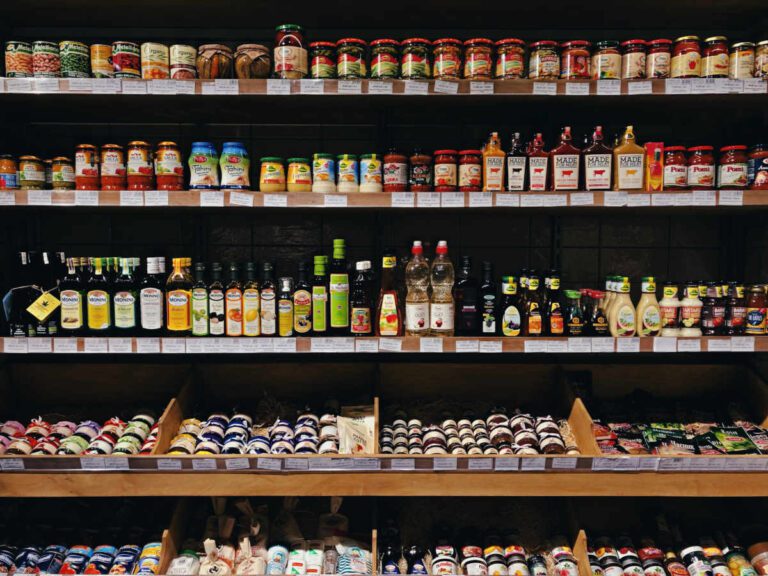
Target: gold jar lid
(744, 45)
(684, 38)
(29, 159)
(166, 144)
(62, 160)
(138, 143)
(716, 39)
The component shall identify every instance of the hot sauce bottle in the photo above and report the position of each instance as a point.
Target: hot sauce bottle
(565, 163)
(493, 165)
(598, 163)
(538, 165)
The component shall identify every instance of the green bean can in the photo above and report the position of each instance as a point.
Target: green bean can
(75, 59)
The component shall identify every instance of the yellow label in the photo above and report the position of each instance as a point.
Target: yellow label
(388, 261)
(43, 306)
(179, 313)
(285, 317)
(251, 312)
(98, 310)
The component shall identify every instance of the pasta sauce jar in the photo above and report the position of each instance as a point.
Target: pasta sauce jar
(86, 167)
(757, 167)
(510, 59)
(470, 171)
(606, 61)
(741, 61)
(686, 58)
(445, 170)
(420, 177)
(575, 60)
(478, 59)
(112, 167)
(395, 171)
(446, 58)
(701, 168)
(139, 166)
(675, 167)
(169, 169)
(543, 61)
(714, 61)
(633, 59)
(732, 170)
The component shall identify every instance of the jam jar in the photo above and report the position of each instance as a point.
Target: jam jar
(290, 54)
(420, 176)
(510, 59)
(701, 168)
(414, 62)
(385, 58)
(633, 59)
(478, 59)
(447, 59)
(445, 170)
(606, 61)
(543, 61)
(350, 59)
(575, 60)
(757, 167)
(675, 167)
(659, 58)
(322, 60)
(741, 61)
(714, 61)
(686, 58)
(732, 169)
(470, 171)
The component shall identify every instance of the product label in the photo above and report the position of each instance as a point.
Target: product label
(556, 319)
(417, 316)
(633, 65)
(510, 65)
(715, 66)
(732, 175)
(216, 315)
(651, 321)
(494, 173)
(755, 321)
(478, 64)
(370, 171)
(511, 321)
(687, 64)
(470, 175)
(360, 321)
(203, 170)
(323, 170)
(713, 317)
(566, 174)
(657, 65)
(86, 164)
(701, 175)
(31, 172)
(199, 312)
(349, 64)
(698, 567)
(421, 175)
(125, 309)
(441, 316)
(319, 308)
(630, 171)
(669, 316)
(606, 66)
(445, 174)
(625, 321)
(234, 171)
(322, 67)
(446, 66)
(285, 317)
(234, 307)
(339, 288)
(489, 314)
(690, 316)
(178, 310)
(675, 176)
(302, 311)
(395, 174)
(63, 174)
(389, 324)
(151, 308)
(112, 163)
(168, 162)
(291, 59)
(251, 312)
(534, 319)
(415, 66)
(384, 65)
(268, 312)
(138, 162)
(71, 309)
(544, 63)
(348, 171)
(515, 172)
(538, 173)
(742, 65)
(98, 310)
(598, 171)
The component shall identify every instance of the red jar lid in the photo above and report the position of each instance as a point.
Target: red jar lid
(674, 148)
(736, 147)
(574, 43)
(383, 41)
(322, 45)
(447, 41)
(470, 152)
(445, 152)
(700, 149)
(543, 43)
(471, 41)
(660, 41)
(350, 41)
(637, 41)
(510, 41)
(415, 41)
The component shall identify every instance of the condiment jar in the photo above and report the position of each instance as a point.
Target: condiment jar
(350, 59)
(686, 58)
(470, 171)
(290, 54)
(347, 174)
(272, 174)
(86, 167)
(714, 62)
(235, 167)
(543, 61)
(370, 173)
(701, 168)
(445, 170)
(385, 58)
(420, 176)
(606, 61)
(169, 170)
(478, 59)
(322, 57)
(732, 168)
(575, 60)
(214, 61)
(675, 167)
(447, 59)
(395, 171)
(741, 61)
(299, 175)
(323, 173)
(63, 174)
(659, 58)
(113, 174)
(761, 59)
(414, 63)
(633, 59)
(757, 167)
(9, 173)
(139, 166)
(203, 166)
(756, 311)
(252, 61)
(31, 173)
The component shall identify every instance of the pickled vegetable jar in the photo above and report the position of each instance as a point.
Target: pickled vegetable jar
(350, 59)
(543, 61)
(414, 62)
(385, 58)
(575, 60)
(290, 53)
(510, 59)
(447, 58)
(478, 59)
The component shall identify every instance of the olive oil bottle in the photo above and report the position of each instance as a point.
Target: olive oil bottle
(125, 300)
(99, 300)
(234, 302)
(216, 308)
(72, 297)
(302, 303)
(178, 299)
(320, 297)
(251, 302)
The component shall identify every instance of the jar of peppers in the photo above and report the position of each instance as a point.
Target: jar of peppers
(322, 60)
(478, 59)
(414, 62)
(543, 61)
(420, 175)
(686, 58)
(606, 61)
(510, 59)
(385, 58)
(350, 59)
(447, 59)
(470, 171)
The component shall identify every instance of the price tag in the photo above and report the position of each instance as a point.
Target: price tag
(212, 199)
(65, 345)
(369, 345)
(156, 198)
(237, 464)
(444, 463)
(107, 85)
(39, 197)
(535, 347)
(379, 87)
(330, 464)
(677, 86)
(81, 84)
(582, 199)
(168, 464)
(754, 86)
(545, 88)
(467, 346)
(580, 345)
(135, 87)
(335, 201)
(609, 87)
(402, 199)
(284, 345)
(638, 200)
(18, 85)
(532, 200)
(148, 345)
(116, 463)
(416, 88)
(274, 464)
(7, 198)
(689, 345)
(276, 200)
(557, 346)
(229, 345)
(96, 346)
(208, 88)
(480, 199)
(506, 463)
(10, 464)
(731, 197)
(185, 87)
(577, 88)
(672, 463)
(203, 464)
(345, 345)
(263, 345)
(131, 198)
(366, 464)
(92, 463)
(554, 200)
(452, 200)
(39, 345)
(732, 86)
(639, 87)
(349, 87)
(664, 344)
(226, 87)
(296, 464)
(706, 86)
(533, 464)
(602, 345)
(240, 199)
(718, 345)
(661, 199)
(431, 345)
(196, 346)
(743, 343)
(511, 200)
(86, 197)
(120, 345)
(46, 85)
(648, 464)
(603, 464)
(403, 464)
(311, 86)
(162, 87)
(490, 346)
(481, 87)
(704, 198)
(428, 200)
(277, 87)
(390, 344)
(628, 345)
(615, 199)
(174, 346)
(626, 464)
(2, 84)
(480, 463)
(565, 463)
(447, 87)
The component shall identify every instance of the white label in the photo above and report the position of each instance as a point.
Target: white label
(664, 344)
(417, 88)
(163, 87)
(269, 464)
(452, 199)
(648, 463)
(403, 464)
(467, 346)
(754, 86)
(120, 345)
(630, 171)
(718, 345)
(11, 464)
(237, 464)
(706, 86)
(366, 464)
(402, 199)
(602, 345)
(80, 84)
(663, 199)
(704, 198)
(168, 464)
(427, 200)
(430, 345)
(689, 345)
(556, 200)
(276, 200)
(186, 87)
(535, 347)
(637, 200)
(379, 87)
(390, 344)
(615, 199)
(7, 198)
(96, 346)
(625, 464)
(743, 343)
(296, 464)
(226, 87)
(278, 87)
(545, 88)
(490, 346)
(537, 167)
(203, 464)
(92, 463)
(130, 86)
(566, 168)
(156, 198)
(480, 463)
(701, 175)
(677, 86)
(131, 198)
(609, 87)
(441, 316)
(174, 346)
(516, 172)
(39, 345)
(39, 197)
(46, 84)
(350, 87)
(212, 199)
(481, 87)
(284, 345)
(446, 87)
(532, 200)
(18, 84)
(510, 200)
(240, 199)
(565, 463)
(311, 86)
(602, 464)
(731, 175)
(533, 463)
(2, 84)
(577, 88)
(148, 345)
(444, 463)
(335, 200)
(731, 197)
(105, 85)
(506, 463)
(557, 346)
(65, 345)
(116, 463)
(672, 463)
(580, 345)
(86, 197)
(582, 199)
(628, 345)
(367, 345)
(640, 87)
(417, 316)
(598, 171)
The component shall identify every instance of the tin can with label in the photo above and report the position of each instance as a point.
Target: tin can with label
(183, 65)
(75, 59)
(18, 59)
(46, 62)
(126, 59)
(101, 61)
(154, 61)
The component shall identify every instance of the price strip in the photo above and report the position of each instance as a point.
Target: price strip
(86, 197)
(603, 464)
(444, 463)
(416, 88)
(368, 345)
(452, 200)
(203, 464)
(39, 345)
(174, 346)
(506, 464)
(335, 201)
(276, 200)
(638, 200)
(427, 200)
(615, 199)
(447, 87)
(349, 87)
(577, 88)
(754, 86)
(390, 345)
(148, 345)
(237, 464)
(481, 87)
(533, 464)
(603, 345)
(403, 464)
(96, 346)
(665, 344)
(311, 86)
(677, 86)
(2, 84)
(212, 199)
(490, 347)
(731, 198)
(92, 463)
(402, 199)
(240, 199)
(116, 463)
(609, 87)
(156, 198)
(671, 464)
(510, 200)
(704, 198)
(345, 345)
(582, 199)
(131, 198)
(277, 87)
(168, 464)
(284, 345)
(163, 87)
(743, 343)
(18, 85)
(379, 87)
(106, 85)
(468, 346)
(648, 464)
(430, 345)
(535, 347)
(134, 87)
(626, 464)
(39, 197)
(706, 86)
(81, 84)
(580, 345)
(366, 464)
(480, 464)
(565, 463)
(7, 198)
(120, 345)
(689, 345)
(532, 200)
(557, 346)
(296, 464)
(273, 464)
(226, 87)
(481, 199)
(718, 345)
(638, 88)
(545, 88)
(330, 464)
(65, 345)
(628, 345)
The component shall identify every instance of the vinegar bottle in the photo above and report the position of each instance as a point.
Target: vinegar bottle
(441, 307)
(417, 297)
(389, 319)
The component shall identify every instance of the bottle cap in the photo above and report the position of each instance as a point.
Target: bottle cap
(338, 243)
(442, 247)
(250, 266)
(199, 267)
(363, 265)
(417, 247)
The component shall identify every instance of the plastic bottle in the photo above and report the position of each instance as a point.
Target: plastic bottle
(669, 306)
(648, 317)
(690, 311)
(441, 307)
(622, 321)
(417, 298)
(493, 165)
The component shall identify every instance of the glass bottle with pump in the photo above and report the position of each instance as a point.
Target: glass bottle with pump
(598, 159)
(648, 313)
(516, 164)
(565, 163)
(360, 300)
(465, 293)
(510, 312)
(622, 316)
(441, 307)
(199, 302)
(251, 302)
(339, 290)
(533, 324)
(319, 297)
(125, 300)
(628, 162)
(285, 307)
(493, 165)
(99, 301)
(538, 166)
(690, 311)
(417, 297)
(234, 302)
(389, 318)
(152, 298)
(268, 301)
(488, 302)
(302, 303)
(72, 297)
(178, 297)
(669, 308)
(216, 306)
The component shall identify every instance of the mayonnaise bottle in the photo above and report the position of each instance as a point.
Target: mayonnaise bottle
(622, 322)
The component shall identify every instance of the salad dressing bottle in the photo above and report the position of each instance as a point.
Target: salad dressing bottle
(648, 317)
(622, 321)
(669, 307)
(690, 311)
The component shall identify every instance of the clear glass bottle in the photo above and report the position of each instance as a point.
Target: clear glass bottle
(417, 275)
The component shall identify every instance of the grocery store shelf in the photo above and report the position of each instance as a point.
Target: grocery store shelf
(368, 345)
(222, 199)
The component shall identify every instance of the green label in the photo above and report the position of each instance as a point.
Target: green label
(319, 307)
(339, 300)
(200, 312)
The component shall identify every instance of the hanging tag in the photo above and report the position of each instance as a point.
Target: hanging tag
(44, 306)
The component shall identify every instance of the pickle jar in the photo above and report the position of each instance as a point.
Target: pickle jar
(741, 61)
(659, 58)
(686, 58)
(510, 59)
(606, 61)
(350, 59)
(322, 60)
(478, 59)
(447, 59)
(761, 59)
(214, 61)
(633, 59)
(714, 61)
(575, 60)
(543, 61)
(385, 58)
(63, 173)
(414, 61)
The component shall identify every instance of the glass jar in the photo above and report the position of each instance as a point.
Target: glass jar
(675, 168)
(350, 59)
(214, 61)
(478, 59)
(606, 61)
(235, 167)
(169, 170)
(9, 173)
(370, 173)
(686, 58)
(714, 61)
(323, 173)
(299, 175)
(659, 58)
(543, 61)
(323, 60)
(272, 174)
(252, 61)
(447, 58)
(470, 171)
(633, 59)
(757, 167)
(112, 161)
(290, 53)
(139, 166)
(761, 59)
(445, 170)
(420, 177)
(385, 58)
(575, 60)
(347, 173)
(31, 173)
(86, 167)
(732, 169)
(395, 171)
(414, 63)
(510, 59)
(741, 61)
(63, 177)
(701, 168)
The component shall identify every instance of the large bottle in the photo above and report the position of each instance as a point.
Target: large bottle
(622, 315)
(99, 300)
(285, 307)
(178, 299)
(648, 315)
(509, 311)
(360, 301)
(516, 164)
(319, 297)
(465, 294)
(339, 290)
(598, 160)
(533, 321)
(125, 300)
(389, 317)
(441, 307)
(199, 302)
(152, 298)
(488, 302)
(554, 319)
(629, 163)
(251, 302)
(417, 298)
(493, 165)
(565, 163)
(302, 303)
(216, 306)
(72, 297)
(268, 301)
(234, 302)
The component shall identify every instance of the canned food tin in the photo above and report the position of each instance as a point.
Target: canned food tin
(18, 59)
(46, 62)
(101, 61)
(75, 59)
(154, 61)
(183, 65)
(31, 173)
(126, 59)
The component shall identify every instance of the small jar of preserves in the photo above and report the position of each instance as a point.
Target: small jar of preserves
(395, 171)
(478, 59)
(659, 58)
(510, 59)
(714, 61)
(63, 174)
(113, 174)
(323, 173)
(31, 173)
(414, 63)
(633, 59)
(543, 61)
(470, 171)
(761, 59)
(701, 168)
(272, 174)
(447, 59)
(347, 173)
(9, 173)
(575, 60)
(757, 167)
(169, 167)
(445, 170)
(675, 168)
(686, 58)
(420, 177)
(370, 173)
(214, 61)
(290, 53)
(741, 61)
(385, 58)
(139, 166)
(299, 175)
(732, 169)
(606, 61)
(86, 167)
(322, 60)
(350, 59)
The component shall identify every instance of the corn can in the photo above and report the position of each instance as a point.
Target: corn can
(101, 61)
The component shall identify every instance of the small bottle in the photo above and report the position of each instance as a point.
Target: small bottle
(533, 321)
(268, 301)
(648, 316)
(417, 297)
(285, 307)
(98, 299)
(216, 306)
(565, 163)
(538, 166)
(465, 293)
(735, 310)
(690, 311)
(251, 302)
(199, 302)
(125, 300)
(234, 302)
(554, 324)
(598, 321)
(441, 307)
(629, 163)
(488, 302)
(389, 318)
(319, 297)
(713, 310)
(360, 301)
(598, 159)
(414, 556)
(493, 165)
(669, 308)
(574, 315)
(622, 315)
(510, 312)
(516, 164)
(302, 303)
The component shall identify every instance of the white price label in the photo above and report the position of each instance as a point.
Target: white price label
(296, 464)
(350, 87)
(580, 345)
(626, 464)
(368, 345)
(116, 463)
(240, 199)
(428, 200)
(96, 346)
(226, 87)
(603, 345)
(18, 85)
(609, 87)
(532, 200)
(446, 87)
(276, 200)
(162, 87)
(754, 86)
(174, 346)
(557, 346)
(106, 85)
(379, 87)
(648, 464)
(366, 464)
(7, 198)
(706, 86)
(639, 87)
(535, 346)
(481, 87)
(664, 344)
(577, 88)
(602, 464)
(689, 345)
(743, 343)
(203, 464)
(615, 199)
(40, 345)
(403, 464)
(480, 463)
(390, 344)
(510, 200)
(533, 463)
(274, 464)
(403, 199)
(284, 345)
(311, 86)
(582, 199)
(718, 345)
(86, 197)
(672, 463)
(156, 198)
(65, 345)
(39, 197)
(545, 88)
(335, 201)
(490, 346)
(628, 345)
(565, 463)
(10, 464)
(663, 199)
(638, 200)
(345, 345)
(92, 463)
(237, 464)
(416, 87)
(212, 199)
(467, 345)
(120, 345)
(2, 84)
(556, 200)
(704, 198)
(452, 200)
(184, 87)
(731, 197)
(444, 463)
(507, 463)
(148, 345)
(278, 87)
(81, 84)
(131, 198)
(136, 87)
(46, 85)
(677, 86)
(481, 199)
(168, 464)
(431, 345)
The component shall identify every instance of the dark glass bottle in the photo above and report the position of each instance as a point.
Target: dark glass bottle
(598, 163)
(199, 302)
(488, 302)
(72, 297)
(598, 321)
(152, 299)
(533, 322)
(302, 303)
(574, 315)
(712, 311)
(735, 310)
(234, 302)
(360, 301)
(517, 162)
(510, 311)
(553, 311)
(268, 301)
(566, 159)
(320, 297)
(390, 560)
(465, 293)
(414, 556)
(125, 300)
(216, 307)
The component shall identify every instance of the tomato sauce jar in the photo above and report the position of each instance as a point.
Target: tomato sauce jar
(112, 167)
(675, 167)
(478, 59)
(86, 167)
(445, 170)
(543, 62)
(139, 166)
(470, 171)
(741, 61)
(686, 58)
(447, 59)
(606, 61)
(633, 59)
(757, 167)
(420, 178)
(732, 170)
(701, 168)
(169, 169)
(575, 60)
(510, 59)
(659, 58)
(395, 171)
(714, 61)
